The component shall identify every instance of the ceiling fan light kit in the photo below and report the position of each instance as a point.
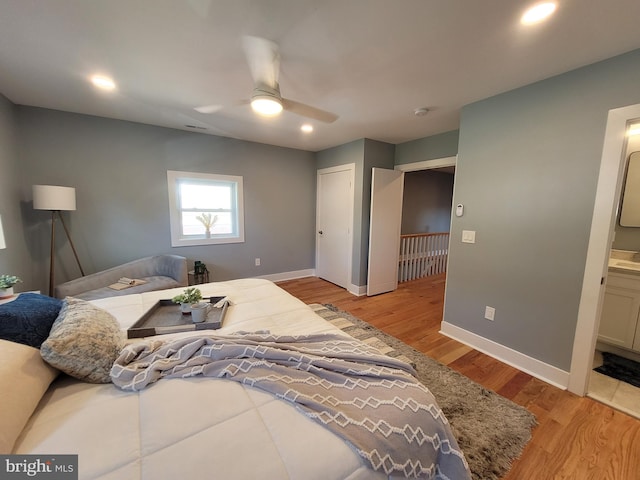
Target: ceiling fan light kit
(266, 100)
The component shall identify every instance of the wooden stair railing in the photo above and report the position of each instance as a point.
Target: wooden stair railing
(422, 254)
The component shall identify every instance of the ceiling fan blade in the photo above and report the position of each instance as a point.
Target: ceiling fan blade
(264, 60)
(208, 108)
(308, 111)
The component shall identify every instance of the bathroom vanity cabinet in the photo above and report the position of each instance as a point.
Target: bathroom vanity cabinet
(620, 319)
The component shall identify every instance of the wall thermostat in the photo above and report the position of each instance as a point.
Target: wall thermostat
(459, 210)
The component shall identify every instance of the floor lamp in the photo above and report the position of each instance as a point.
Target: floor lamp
(56, 199)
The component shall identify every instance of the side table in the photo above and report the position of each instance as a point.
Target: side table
(198, 278)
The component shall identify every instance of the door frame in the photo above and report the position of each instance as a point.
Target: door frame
(351, 168)
(432, 165)
(428, 165)
(600, 241)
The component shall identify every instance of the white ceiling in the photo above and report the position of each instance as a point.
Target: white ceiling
(371, 62)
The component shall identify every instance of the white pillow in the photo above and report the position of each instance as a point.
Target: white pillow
(84, 341)
(24, 378)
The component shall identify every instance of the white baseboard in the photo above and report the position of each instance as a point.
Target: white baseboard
(358, 290)
(543, 371)
(281, 277)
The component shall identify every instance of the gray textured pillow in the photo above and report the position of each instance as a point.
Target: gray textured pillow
(84, 341)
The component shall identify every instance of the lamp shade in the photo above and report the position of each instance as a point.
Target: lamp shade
(2, 244)
(52, 197)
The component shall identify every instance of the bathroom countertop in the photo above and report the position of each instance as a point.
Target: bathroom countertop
(622, 261)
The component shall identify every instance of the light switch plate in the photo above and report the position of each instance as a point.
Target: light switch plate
(468, 236)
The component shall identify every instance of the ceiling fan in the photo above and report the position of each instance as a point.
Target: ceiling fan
(263, 57)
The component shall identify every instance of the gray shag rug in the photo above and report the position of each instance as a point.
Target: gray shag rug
(491, 430)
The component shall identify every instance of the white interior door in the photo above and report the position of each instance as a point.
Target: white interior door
(387, 187)
(334, 224)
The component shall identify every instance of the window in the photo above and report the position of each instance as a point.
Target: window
(205, 208)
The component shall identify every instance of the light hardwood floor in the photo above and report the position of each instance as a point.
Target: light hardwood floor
(577, 438)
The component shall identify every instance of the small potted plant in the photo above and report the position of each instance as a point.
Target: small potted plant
(208, 221)
(186, 298)
(6, 285)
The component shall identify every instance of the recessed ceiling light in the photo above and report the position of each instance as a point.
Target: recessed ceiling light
(102, 82)
(538, 13)
(634, 129)
(307, 128)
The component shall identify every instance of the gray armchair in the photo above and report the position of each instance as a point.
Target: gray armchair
(159, 272)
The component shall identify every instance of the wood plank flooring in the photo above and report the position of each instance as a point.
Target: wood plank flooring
(577, 438)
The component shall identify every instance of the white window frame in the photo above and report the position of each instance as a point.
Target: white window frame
(177, 239)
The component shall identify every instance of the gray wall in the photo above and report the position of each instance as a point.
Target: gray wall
(428, 148)
(527, 172)
(426, 205)
(15, 259)
(119, 171)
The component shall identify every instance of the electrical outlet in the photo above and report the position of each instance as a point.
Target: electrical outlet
(489, 313)
(257, 262)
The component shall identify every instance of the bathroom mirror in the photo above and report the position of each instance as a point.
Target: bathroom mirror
(630, 213)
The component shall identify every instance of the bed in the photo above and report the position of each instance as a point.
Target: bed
(200, 427)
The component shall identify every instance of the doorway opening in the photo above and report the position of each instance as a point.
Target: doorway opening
(618, 323)
(600, 242)
(426, 217)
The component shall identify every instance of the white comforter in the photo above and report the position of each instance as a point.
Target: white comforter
(199, 427)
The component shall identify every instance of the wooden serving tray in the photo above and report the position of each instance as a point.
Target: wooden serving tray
(165, 317)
